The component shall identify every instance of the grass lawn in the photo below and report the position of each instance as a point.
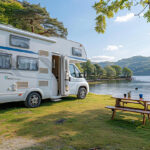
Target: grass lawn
(87, 125)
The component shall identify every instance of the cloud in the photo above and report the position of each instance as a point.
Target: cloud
(102, 58)
(125, 18)
(113, 47)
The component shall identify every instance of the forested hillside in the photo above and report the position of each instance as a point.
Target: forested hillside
(138, 64)
(30, 17)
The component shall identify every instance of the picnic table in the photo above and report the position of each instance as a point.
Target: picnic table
(121, 104)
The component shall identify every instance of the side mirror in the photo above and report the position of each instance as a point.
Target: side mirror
(85, 75)
(69, 78)
(81, 75)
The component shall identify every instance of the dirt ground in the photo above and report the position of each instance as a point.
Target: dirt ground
(17, 143)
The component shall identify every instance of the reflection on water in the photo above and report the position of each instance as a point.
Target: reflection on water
(118, 88)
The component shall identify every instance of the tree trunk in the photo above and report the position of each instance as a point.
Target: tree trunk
(32, 27)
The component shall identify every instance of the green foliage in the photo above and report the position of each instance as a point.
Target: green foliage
(30, 17)
(108, 8)
(88, 68)
(127, 72)
(100, 72)
(118, 70)
(110, 72)
(8, 9)
(94, 72)
(79, 67)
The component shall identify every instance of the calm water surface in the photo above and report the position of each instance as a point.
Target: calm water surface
(118, 88)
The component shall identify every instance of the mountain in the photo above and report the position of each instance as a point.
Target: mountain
(140, 65)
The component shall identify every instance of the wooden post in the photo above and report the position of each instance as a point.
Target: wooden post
(145, 106)
(118, 102)
(144, 119)
(123, 104)
(113, 114)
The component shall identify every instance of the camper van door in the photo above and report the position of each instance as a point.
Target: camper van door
(64, 76)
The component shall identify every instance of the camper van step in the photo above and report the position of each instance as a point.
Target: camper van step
(55, 97)
(56, 100)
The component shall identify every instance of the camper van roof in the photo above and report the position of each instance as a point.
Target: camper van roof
(25, 33)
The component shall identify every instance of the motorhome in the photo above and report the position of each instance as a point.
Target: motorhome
(35, 67)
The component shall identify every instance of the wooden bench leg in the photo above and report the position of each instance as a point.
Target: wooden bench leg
(123, 104)
(144, 119)
(113, 114)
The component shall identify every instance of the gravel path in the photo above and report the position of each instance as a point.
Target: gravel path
(16, 143)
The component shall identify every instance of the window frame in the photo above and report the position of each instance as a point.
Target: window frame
(9, 61)
(77, 70)
(74, 48)
(74, 67)
(10, 43)
(17, 63)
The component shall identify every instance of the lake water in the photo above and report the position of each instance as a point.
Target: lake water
(118, 88)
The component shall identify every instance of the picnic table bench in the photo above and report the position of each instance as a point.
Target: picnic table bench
(120, 105)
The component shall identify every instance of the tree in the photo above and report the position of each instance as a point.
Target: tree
(79, 67)
(7, 10)
(30, 17)
(102, 73)
(110, 72)
(88, 68)
(99, 70)
(107, 9)
(118, 70)
(127, 72)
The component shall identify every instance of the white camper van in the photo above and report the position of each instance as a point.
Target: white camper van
(34, 67)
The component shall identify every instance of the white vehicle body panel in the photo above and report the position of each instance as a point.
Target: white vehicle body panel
(46, 84)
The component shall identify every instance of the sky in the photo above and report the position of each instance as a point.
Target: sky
(126, 35)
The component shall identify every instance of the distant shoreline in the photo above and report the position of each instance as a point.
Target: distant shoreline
(113, 79)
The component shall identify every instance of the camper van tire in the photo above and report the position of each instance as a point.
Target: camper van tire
(33, 100)
(82, 93)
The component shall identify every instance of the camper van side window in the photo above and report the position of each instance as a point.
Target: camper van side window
(5, 61)
(72, 71)
(18, 41)
(26, 63)
(76, 52)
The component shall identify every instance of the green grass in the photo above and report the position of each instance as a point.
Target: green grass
(87, 125)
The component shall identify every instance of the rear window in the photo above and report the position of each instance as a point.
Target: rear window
(5, 61)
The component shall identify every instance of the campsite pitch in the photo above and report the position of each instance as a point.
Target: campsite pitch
(71, 124)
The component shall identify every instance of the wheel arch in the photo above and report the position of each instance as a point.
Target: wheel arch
(34, 90)
(82, 86)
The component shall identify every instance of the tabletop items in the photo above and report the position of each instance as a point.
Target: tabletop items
(128, 95)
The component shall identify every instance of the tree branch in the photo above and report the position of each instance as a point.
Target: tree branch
(141, 11)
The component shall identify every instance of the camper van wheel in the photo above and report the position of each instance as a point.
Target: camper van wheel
(33, 100)
(81, 93)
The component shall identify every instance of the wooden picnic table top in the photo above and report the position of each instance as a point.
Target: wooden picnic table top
(133, 99)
